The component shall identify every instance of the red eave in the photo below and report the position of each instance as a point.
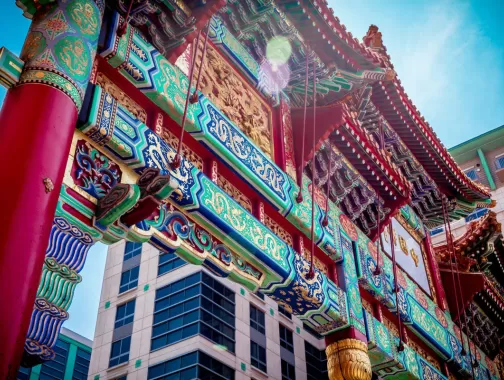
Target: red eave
(350, 139)
(476, 231)
(494, 295)
(471, 284)
(403, 116)
(327, 36)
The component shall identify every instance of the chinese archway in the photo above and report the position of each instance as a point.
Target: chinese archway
(257, 138)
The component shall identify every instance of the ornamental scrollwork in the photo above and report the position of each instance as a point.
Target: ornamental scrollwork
(236, 99)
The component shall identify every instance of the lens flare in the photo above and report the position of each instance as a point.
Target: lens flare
(274, 78)
(278, 50)
(220, 347)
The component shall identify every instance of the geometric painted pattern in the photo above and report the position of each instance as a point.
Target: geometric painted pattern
(280, 269)
(166, 86)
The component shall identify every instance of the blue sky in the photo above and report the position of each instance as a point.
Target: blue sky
(449, 56)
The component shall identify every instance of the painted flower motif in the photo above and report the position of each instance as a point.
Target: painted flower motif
(56, 25)
(372, 249)
(456, 330)
(421, 298)
(348, 227)
(441, 317)
(473, 349)
(401, 280)
(490, 365)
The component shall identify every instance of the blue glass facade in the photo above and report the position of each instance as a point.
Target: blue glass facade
(316, 363)
(169, 262)
(197, 304)
(194, 365)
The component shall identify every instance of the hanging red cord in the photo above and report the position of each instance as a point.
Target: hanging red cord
(377, 270)
(311, 273)
(121, 30)
(396, 288)
(299, 197)
(475, 363)
(194, 97)
(325, 221)
(382, 136)
(448, 239)
(175, 164)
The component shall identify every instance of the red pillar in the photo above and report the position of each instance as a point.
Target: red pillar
(36, 145)
(36, 127)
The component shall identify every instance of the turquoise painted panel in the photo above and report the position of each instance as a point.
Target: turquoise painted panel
(351, 283)
(318, 301)
(413, 220)
(234, 50)
(166, 86)
(388, 362)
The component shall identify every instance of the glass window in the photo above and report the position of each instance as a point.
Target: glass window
(282, 310)
(286, 340)
(258, 356)
(316, 363)
(24, 373)
(169, 262)
(55, 369)
(195, 365)
(132, 249)
(188, 307)
(499, 162)
(257, 319)
(119, 353)
(125, 314)
(81, 367)
(288, 371)
(472, 174)
(312, 331)
(260, 295)
(211, 368)
(129, 279)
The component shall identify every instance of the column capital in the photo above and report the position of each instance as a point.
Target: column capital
(60, 47)
(348, 359)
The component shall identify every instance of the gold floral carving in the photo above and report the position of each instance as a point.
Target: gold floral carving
(420, 351)
(416, 235)
(278, 230)
(319, 264)
(236, 99)
(348, 359)
(159, 124)
(391, 326)
(367, 306)
(403, 245)
(414, 256)
(121, 97)
(187, 153)
(234, 193)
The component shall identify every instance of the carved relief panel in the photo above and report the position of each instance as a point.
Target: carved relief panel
(236, 99)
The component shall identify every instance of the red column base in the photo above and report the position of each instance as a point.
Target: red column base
(36, 128)
(349, 333)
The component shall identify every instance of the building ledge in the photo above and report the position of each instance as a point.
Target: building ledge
(118, 369)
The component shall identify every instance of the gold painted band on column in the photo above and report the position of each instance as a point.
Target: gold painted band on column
(348, 359)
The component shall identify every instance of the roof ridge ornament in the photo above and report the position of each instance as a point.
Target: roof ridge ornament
(373, 39)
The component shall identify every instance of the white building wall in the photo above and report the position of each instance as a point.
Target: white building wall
(460, 227)
(140, 355)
